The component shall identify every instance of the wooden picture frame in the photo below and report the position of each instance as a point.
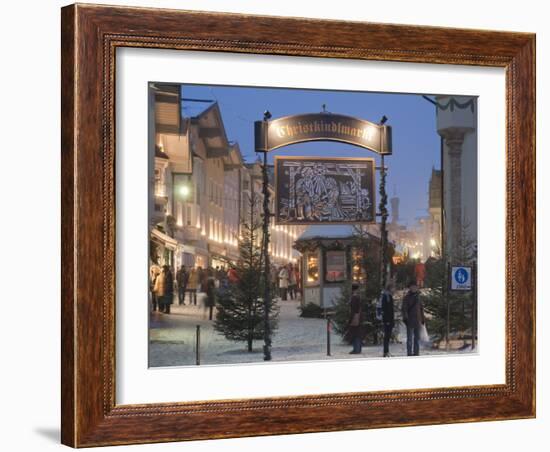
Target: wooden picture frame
(90, 37)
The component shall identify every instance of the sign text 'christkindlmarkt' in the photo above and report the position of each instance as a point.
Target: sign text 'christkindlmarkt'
(324, 126)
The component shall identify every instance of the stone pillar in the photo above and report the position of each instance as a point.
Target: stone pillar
(453, 142)
(456, 120)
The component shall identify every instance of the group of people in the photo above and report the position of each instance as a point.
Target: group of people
(188, 281)
(286, 279)
(412, 315)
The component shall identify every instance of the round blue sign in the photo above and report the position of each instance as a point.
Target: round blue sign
(461, 276)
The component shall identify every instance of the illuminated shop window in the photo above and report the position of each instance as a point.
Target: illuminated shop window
(358, 273)
(336, 266)
(312, 262)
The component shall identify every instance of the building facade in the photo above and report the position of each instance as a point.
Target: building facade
(200, 188)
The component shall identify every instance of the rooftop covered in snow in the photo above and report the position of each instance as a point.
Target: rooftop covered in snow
(334, 231)
(339, 231)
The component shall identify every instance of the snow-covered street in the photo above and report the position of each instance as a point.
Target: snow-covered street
(173, 336)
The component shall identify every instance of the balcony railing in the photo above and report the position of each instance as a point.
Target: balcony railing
(187, 233)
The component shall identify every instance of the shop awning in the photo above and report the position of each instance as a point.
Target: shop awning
(164, 240)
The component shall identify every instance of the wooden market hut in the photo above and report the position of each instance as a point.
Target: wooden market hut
(330, 259)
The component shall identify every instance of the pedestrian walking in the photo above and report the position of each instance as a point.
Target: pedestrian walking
(420, 274)
(164, 289)
(160, 288)
(192, 285)
(388, 317)
(292, 282)
(203, 278)
(355, 329)
(283, 282)
(412, 312)
(220, 275)
(216, 274)
(154, 273)
(232, 276)
(299, 288)
(168, 298)
(210, 300)
(182, 278)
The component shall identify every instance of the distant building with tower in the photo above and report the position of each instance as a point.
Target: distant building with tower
(394, 203)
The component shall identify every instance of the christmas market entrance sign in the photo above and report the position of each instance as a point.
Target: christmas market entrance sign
(270, 135)
(319, 190)
(324, 190)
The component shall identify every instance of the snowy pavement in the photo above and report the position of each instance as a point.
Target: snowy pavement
(173, 336)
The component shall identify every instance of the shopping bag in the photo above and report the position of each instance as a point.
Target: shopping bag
(424, 338)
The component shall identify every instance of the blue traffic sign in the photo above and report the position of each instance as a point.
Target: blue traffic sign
(461, 278)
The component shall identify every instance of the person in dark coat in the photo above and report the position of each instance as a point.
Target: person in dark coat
(182, 277)
(192, 285)
(412, 312)
(388, 317)
(201, 284)
(210, 300)
(168, 289)
(354, 325)
(203, 278)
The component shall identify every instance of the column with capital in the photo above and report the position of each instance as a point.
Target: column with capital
(457, 124)
(453, 141)
(457, 127)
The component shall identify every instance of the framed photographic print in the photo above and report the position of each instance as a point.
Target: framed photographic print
(282, 225)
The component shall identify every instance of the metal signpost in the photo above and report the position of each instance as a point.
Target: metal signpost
(325, 126)
(463, 278)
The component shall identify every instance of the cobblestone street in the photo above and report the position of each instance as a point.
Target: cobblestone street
(172, 340)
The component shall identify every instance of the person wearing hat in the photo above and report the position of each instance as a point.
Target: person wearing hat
(412, 312)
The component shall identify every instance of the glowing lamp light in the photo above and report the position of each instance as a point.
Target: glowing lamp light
(184, 191)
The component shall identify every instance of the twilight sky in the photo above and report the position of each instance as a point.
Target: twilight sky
(416, 145)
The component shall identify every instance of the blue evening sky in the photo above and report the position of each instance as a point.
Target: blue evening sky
(416, 145)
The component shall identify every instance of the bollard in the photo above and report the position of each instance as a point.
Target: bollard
(328, 336)
(198, 345)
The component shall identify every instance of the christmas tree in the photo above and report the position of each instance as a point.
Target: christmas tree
(240, 313)
(438, 299)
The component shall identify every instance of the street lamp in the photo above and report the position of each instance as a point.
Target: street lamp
(184, 191)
